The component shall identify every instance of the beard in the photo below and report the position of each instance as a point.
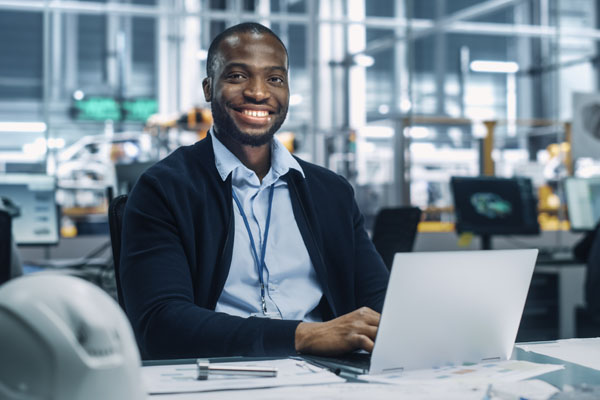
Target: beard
(226, 126)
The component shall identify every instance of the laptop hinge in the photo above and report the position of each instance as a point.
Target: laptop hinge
(491, 359)
(398, 369)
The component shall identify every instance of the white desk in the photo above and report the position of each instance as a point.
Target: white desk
(572, 374)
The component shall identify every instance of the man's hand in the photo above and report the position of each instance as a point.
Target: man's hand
(352, 331)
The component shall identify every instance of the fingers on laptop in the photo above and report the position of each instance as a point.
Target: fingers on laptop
(363, 342)
(368, 315)
(352, 331)
(364, 328)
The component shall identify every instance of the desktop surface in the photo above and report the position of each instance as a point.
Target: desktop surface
(572, 374)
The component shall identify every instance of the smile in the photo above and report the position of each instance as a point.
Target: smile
(255, 113)
(253, 117)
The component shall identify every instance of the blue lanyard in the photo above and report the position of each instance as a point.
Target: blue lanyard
(260, 265)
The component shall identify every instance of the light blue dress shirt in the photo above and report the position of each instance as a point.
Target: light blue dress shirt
(292, 290)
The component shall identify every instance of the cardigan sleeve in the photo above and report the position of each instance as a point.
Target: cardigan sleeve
(158, 290)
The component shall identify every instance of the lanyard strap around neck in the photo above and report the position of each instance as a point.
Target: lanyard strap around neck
(260, 264)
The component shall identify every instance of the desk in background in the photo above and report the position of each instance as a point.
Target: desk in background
(555, 292)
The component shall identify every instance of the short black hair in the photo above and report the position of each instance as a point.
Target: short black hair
(246, 27)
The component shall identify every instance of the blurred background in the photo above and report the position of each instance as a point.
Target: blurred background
(397, 96)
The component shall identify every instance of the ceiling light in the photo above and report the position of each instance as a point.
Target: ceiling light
(22, 127)
(78, 95)
(363, 60)
(383, 109)
(506, 67)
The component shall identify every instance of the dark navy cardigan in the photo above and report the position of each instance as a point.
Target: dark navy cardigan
(176, 252)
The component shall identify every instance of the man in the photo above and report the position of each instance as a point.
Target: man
(234, 247)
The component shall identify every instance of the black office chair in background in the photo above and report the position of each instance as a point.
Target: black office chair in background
(395, 231)
(5, 246)
(587, 318)
(115, 223)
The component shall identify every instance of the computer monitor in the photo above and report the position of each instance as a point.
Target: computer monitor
(494, 206)
(34, 194)
(583, 202)
(128, 174)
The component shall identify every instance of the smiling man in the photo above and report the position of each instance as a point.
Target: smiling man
(233, 246)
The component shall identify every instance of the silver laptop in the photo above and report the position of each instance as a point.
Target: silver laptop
(448, 308)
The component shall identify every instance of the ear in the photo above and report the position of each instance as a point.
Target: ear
(206, 87)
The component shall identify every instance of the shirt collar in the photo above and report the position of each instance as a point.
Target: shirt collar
(226, 162)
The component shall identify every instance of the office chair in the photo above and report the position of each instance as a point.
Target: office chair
(394, 231)
(5, 246)
(587, 318)
(587, 323)
(115, 223)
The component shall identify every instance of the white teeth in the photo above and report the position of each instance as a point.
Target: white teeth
(256, 113)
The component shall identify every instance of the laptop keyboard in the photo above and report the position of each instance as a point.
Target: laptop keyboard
(357, 362)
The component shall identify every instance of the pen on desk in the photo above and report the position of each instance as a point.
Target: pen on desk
(205, 369)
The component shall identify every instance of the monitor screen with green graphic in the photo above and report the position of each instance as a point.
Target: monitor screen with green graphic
(495, 206)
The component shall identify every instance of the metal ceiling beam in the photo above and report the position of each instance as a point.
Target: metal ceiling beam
(81, 7)
(478, 10)
(497, 29)
(417, 25)
(69, 6)
(419, 30)
(77, 7)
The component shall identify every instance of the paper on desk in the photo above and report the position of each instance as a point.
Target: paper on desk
(447, 390)
(532, 389)
(182, 378)
(500, 371)
(584, 352)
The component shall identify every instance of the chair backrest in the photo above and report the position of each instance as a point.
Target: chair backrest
(395, 231)
(5, 246)
(115, 223)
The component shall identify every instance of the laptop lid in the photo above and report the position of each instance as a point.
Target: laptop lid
(445, 308)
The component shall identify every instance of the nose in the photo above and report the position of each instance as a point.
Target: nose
(257, 90)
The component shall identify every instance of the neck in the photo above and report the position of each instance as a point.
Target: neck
(256, 158)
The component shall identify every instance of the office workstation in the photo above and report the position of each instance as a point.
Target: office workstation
(299, 199)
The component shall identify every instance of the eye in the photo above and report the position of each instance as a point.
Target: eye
(277, 80)
(236, 76)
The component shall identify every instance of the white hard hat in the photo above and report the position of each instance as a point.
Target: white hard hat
(63, 338)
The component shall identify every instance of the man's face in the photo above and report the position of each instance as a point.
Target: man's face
(249, 91)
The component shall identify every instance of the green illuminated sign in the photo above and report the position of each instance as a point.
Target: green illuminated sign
(108, 108)
(139, 109)
(97, 109)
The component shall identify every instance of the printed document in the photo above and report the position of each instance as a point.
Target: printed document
(182, 378)
(499, 371)
(584, 352)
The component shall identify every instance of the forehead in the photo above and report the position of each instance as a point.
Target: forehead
(255, 49)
